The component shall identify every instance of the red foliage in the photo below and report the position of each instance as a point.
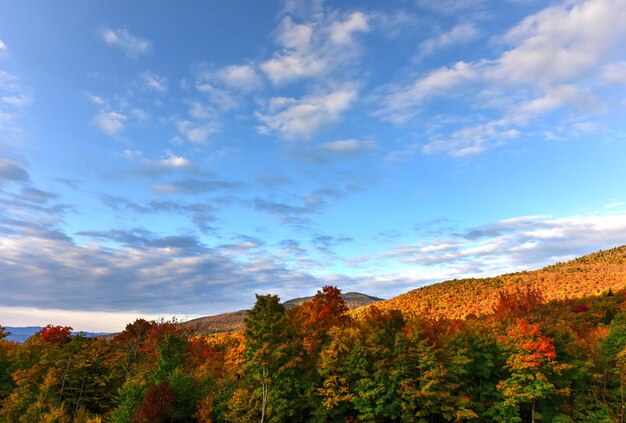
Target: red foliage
(316, 316)
(157, 404)
(208, 356)
(136, 331)
(531, 346)
(437, 330)
(55, 334)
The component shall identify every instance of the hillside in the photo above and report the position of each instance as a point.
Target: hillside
(228, 322)
(589, 275)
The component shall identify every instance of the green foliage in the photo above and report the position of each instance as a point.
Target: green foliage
(128, 399)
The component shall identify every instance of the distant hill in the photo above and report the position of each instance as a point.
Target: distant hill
(22, 333)
(590, 275)
(352, 299)
(228, 322)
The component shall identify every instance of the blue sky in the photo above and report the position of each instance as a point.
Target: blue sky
(161, 159)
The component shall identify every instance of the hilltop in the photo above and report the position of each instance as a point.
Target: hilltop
(587, 276)
(353, 300)
(233, 321)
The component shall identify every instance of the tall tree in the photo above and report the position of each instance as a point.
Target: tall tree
(531, 362)
(264, 327)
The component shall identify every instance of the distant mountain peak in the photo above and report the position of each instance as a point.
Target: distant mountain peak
(228, 322)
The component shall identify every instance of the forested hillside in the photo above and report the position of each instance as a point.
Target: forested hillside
(524, 359)
(593, 274)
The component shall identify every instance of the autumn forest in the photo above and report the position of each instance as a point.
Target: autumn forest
(546, 345)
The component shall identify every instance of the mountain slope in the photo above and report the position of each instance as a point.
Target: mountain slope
(589, 275)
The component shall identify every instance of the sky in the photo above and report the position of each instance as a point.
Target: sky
(174, 159)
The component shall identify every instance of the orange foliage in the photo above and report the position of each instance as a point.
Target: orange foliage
(587, 276)
(533, 348)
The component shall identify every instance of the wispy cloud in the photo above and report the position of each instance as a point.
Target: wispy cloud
(154, 81)
(300, 118)
(202, 215)
(132, 45)
(10, 170)
(14, 97)
(451, 7)
(197, 132)
(545, 70)
(109, 122)
(314, 48)
(337, 150)
(193, 186)
(154, 168)
(346, 146)
(459, 34)
(240, 77)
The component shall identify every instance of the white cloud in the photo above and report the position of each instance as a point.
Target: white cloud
(218, 97)
(154, 168)
(314, 49)
(154, 81)
(132, 45)
(175, 161)
(197, 132)
(341, 31)
(346, 146)
(17, 101)
(240, 77)
(553, 63)
(555, 98)
(109, 122)
(2, 46)
(286, 68)
(300, 118)
(459, 34)
(95, 99)
(472, 140)
(562, 42)
(295, 36)
(401, 104)
(615, 73)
